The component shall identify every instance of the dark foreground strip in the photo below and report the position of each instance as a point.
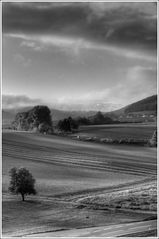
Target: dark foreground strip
(150, 233)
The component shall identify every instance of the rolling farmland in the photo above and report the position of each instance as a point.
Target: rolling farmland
(79, 119)
(69, 165)
(66, 168)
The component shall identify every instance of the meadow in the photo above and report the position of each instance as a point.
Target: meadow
(65, 169)
(119, 131)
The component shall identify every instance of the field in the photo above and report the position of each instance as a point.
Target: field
(66, 170)
(140, 197)
(119, 131)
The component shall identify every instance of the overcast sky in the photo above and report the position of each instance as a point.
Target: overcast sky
(79, 52)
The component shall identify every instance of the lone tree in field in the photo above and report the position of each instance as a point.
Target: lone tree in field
(22, 182)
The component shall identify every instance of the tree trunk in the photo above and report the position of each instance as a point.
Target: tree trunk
(22, 197)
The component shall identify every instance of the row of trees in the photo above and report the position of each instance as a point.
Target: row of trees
(69, 124)
(39, 119)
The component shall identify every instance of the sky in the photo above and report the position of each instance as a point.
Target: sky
(79, 53)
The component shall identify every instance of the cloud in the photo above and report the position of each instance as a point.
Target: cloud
(73, 46)
(17, 101)
(139, 82)
(22, 60)
(118, 30)
(33, 45)
(128, 25)
(99, 8)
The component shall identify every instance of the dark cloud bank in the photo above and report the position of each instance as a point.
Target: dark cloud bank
(132, 24)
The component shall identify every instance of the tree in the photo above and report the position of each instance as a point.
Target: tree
(39, 117)
(64, 125)
(83, 121)
(68, 125)
(98, 118)
(22, 182)
(40, 114)
(73, 123)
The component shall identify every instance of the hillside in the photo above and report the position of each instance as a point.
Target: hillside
(147, 104)
(143, 110)
(146, 107)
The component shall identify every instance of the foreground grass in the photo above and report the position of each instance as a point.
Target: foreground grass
(43, 215)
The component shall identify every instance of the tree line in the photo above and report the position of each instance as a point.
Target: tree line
(69, 124)
(39, 119)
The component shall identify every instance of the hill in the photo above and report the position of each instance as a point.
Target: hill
(147, 104)
(143, 110)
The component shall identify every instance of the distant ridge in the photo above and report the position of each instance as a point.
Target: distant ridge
(141, 111)
(148, 104)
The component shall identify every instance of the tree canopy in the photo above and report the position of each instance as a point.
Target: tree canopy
(99, 118)
(22, 182)
(36, 119)
(67, 125)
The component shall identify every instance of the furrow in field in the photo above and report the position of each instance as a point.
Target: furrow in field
(73, 161)
(57, 154)
(99, 166)
(58, 148)
(106, 159)
(77, 154)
